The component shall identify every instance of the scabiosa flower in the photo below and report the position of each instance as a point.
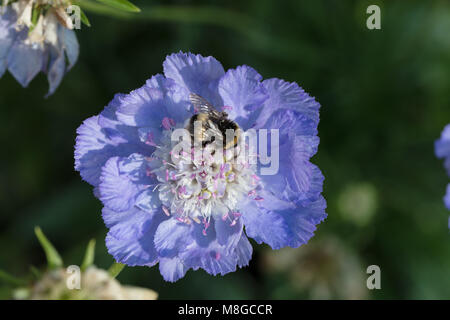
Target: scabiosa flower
(192, 215)
(37, 35)
(442, 147)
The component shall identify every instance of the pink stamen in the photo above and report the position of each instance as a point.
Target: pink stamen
(222, 170)
(167, 123)
(149, 173)
(167, 175)
(217, 256)
(227, 108)
(206, 224)
(225, 217)
(166, 211)
(258, 198)
(233, 223)
(182, 190)
(150, 140)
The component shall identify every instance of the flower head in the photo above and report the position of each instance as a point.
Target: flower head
(37, 35)
(185, 211)
(96, 284)
(442, 148)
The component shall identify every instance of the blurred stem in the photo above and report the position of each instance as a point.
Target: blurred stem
(178, 13)
(5, 277)
(115, 269)
(243, 24)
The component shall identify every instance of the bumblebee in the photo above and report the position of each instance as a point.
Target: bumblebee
(211, 119)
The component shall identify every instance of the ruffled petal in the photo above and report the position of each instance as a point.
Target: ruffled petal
(297, 179)
(207, 253)
(243, 252)
(172, 269)
(228, 234)
(130, 236)
(195, 73)
(171, 237)
(243, 93)
(102, 137)
(281, 228)
(147, 106)
(122, 180)
(286, 95)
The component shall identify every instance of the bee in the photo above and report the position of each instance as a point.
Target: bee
(212, 120)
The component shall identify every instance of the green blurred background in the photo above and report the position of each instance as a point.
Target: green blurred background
(385, 97)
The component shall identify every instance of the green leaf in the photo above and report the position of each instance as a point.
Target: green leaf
(7, 278)
(53, 258)
(89, 255)
(84, 18)
(123, 5)
(115, 269)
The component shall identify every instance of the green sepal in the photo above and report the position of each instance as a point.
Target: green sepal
(89, 255)
(53, 258)
(84, 18)
(35, 17)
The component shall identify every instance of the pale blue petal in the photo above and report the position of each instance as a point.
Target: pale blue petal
(195, 73)
(130, 236)
(172, 269)
(122, 180)
(242, 91)
(24, 61)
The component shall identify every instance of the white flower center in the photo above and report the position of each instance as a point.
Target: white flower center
(194, 188)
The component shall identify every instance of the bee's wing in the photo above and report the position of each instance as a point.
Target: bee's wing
(202, 105)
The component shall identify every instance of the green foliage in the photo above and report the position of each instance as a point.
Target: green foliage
(124, 5)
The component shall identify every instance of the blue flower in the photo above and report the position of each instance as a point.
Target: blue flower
(191, 216)
(27, 48)
(442, 147)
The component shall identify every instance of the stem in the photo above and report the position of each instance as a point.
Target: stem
(243, 24)
(115, 269)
